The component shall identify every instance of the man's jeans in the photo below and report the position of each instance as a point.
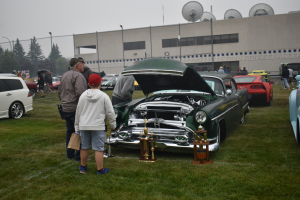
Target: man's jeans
(70, 120)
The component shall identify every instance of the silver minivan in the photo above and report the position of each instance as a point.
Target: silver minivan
(14, 97)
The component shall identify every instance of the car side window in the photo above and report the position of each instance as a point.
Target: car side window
(230, 84)
(262, 79)
(3, 86)
(233, 86)
(13, 84)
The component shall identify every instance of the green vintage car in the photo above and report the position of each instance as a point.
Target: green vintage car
(179, 99)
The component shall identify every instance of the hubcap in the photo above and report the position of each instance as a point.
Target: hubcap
(17, 110)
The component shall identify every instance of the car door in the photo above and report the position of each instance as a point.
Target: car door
(234, 114)
(5, 98)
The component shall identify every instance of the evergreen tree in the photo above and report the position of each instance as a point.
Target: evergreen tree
(35, 54)
(54, 54)
(62, 65)
(19, 52)
(1, 51)
(7, 62)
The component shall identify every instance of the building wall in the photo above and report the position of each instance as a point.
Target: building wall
(257, 36)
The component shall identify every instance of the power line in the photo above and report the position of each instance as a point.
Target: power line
(41, 38)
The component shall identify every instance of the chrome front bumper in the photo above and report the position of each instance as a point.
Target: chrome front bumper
(129, 136)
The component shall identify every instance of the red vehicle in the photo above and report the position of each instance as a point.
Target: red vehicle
(32, 86)
(258, 88)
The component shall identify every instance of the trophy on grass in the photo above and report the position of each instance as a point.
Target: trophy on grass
(145, 145)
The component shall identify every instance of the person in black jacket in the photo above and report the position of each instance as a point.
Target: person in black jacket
(285, 76)
(41, 83)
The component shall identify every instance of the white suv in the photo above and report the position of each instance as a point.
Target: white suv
(14, 97)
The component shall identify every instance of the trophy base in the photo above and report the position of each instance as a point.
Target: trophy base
(202, 162)
(147, 160)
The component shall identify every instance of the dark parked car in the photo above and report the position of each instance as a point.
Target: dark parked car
(181, 100)
(32, 86)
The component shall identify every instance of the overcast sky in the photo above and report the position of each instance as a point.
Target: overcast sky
(24, 19)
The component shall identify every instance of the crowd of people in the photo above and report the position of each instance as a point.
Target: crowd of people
(85, 109)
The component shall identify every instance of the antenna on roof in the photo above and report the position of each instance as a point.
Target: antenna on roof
(192, 11)
(211, 8)
(261, 9)
(163, 14)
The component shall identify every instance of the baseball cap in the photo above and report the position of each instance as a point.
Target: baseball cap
(95, 79)
(73, 62)
(80, 59)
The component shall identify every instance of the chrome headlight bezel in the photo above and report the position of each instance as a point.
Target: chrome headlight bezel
(201, 117)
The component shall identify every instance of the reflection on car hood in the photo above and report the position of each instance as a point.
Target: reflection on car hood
(165, 74)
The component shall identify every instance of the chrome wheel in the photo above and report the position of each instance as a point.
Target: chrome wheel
(16, 110)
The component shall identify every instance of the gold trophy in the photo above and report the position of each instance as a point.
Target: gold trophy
(152, 145)
(146, 129)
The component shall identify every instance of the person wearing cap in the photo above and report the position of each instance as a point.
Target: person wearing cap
(86, 70)
(72, 85)
(92, 109)
(221, 70)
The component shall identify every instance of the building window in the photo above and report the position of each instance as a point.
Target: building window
(183, 42)
(234, 38)
(190, 41)
(200, 40)
(225, 39)
(134, 45)
(217, 39)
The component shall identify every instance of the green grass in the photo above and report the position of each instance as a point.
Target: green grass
(259, 160)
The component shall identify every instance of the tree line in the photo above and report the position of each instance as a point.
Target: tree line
(33, 60)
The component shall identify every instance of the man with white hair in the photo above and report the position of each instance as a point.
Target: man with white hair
(72, 85)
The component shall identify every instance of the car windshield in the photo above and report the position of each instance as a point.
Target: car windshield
(244, 79)
(257, 72)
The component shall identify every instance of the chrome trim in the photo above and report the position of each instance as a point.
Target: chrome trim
(245, 105)
(212, 147)
(153, 71)
(224, 112)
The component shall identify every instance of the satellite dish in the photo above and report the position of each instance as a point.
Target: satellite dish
(232, 14)
(207, 16)
(261, 9)
(192, 11)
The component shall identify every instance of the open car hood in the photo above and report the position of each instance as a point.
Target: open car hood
(164, 74)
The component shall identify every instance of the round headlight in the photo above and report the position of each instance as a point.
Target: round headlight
(116, 112)
(201, 117)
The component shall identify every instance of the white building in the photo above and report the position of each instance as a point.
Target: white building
(261, 42)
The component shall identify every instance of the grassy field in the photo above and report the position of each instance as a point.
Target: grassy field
(259, 160)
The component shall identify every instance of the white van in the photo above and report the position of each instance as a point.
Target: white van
(15, 99)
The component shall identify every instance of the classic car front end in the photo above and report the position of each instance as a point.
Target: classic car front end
(182, 100)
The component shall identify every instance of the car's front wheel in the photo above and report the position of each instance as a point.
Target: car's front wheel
(32, 92)
(16, 110)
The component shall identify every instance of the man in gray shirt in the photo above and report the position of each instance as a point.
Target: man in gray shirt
(72, 85)
(123, 90)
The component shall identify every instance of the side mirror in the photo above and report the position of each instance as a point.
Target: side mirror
(229, 92)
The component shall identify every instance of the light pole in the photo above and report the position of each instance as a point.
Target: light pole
(9, 43)
(123, 46)
(51, 43)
